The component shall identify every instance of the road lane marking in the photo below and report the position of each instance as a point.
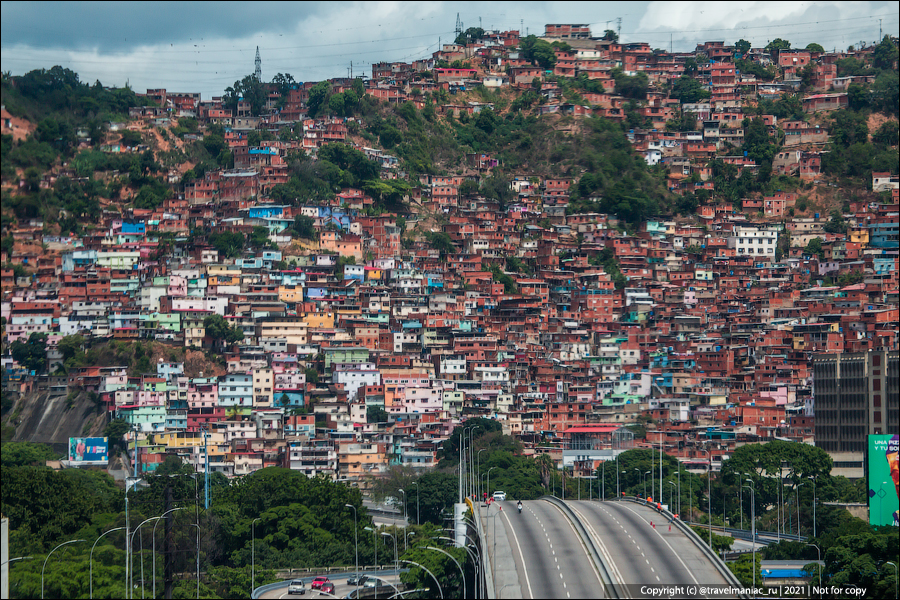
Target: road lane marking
(521, 556)
(689, 572)
(610, 563)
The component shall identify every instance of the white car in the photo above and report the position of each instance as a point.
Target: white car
(499, 496)
(297, 587)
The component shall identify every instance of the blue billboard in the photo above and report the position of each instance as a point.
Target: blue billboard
(89, 449)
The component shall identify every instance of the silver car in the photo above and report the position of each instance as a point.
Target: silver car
(297, 587)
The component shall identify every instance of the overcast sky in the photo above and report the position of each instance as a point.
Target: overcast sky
(205, 47)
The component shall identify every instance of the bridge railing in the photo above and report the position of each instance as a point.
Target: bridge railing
(611, 589)
(721, 567)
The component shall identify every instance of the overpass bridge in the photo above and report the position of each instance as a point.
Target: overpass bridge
(594, 549)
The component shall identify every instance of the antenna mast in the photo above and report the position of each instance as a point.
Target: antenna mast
(459, 25)
(258, 71)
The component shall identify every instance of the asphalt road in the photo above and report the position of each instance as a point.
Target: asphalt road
(639, 553)
(341, 589)
(550, 560)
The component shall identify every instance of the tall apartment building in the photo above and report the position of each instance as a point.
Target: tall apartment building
(856, 394)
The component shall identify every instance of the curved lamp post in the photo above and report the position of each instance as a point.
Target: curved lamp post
(393, 539)
(456, 562)
(416, 483)
(489, 480)
(896, 576)
(197, 525)
(430, 573)
(356, 538)
(752, 489)
(91, 560)
(158, 520)
(375, 546)
(818, 566)
(405, 518)
(48, 557)
(472, 555)
(252, 556)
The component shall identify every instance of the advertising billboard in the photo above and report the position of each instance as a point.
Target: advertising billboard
(89, 449)
(884, 480)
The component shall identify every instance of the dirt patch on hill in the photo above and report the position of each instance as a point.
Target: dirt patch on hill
(21, 128)
(875, 121)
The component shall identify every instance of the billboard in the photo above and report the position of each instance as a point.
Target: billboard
(884, 479)
(89, 449)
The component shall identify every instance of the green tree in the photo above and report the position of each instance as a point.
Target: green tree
(814, 47)
(229, 243)
(814, 248)
(688, 90)
(376, 414)
(885, 54)
(32, 355)
(259, 238)
(610, 35)
(21, 454)
(304, 227)
(742, 46)
(777, 45)
(218, 329)
(317, 95)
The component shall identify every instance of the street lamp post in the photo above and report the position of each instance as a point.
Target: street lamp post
(130, 542)
(129, 481)
(48, 557)
(91, 559)
(818, 566)
(604, 479)
(671, 489)
(458, 566)
(709, 496)
(393, 539)
(405, 518)
(158, 519)
(752, 489)
(416, 483)
(430, 573)
(197, 525)
(896, 577)
(478, 471)
(375, 546)
(252, 555)
(489, 480)
(356, 539)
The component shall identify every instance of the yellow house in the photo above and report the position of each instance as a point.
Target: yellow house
(859, 236)
(318, 320)
(291, 294)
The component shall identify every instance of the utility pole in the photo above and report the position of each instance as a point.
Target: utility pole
(619, 31)
(169, 562)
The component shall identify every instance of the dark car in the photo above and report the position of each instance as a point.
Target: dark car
(327, 587)
(354, 579)
(318, 582)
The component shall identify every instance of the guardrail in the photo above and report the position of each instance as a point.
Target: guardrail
(746, 534)
(721, 567)
(611, 591)
(308, 579)
(486, 567)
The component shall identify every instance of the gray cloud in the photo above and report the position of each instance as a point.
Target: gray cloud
(206, 47)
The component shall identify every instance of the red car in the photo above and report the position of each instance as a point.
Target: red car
(318, 582)
(327, 587)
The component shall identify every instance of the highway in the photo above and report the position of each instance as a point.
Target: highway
(341, 589)
(639, 553)
(549, 558)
